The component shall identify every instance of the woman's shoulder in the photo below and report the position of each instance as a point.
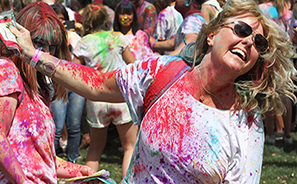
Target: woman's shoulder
(140, 33)
(7, 65)
(195, 17)
(10, 77)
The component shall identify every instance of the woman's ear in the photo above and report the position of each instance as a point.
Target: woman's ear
(210, 39)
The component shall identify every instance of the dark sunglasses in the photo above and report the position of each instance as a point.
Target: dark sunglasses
(242, 30)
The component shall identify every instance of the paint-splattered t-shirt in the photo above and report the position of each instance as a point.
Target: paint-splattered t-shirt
(139, 45)
(146, 15)
(167, 24)
(32, 132)
(102, 50)
(184, 141)
(191, 24)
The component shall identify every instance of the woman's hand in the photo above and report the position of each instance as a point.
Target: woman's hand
(24, 39)
(70, 170)
(85, 171)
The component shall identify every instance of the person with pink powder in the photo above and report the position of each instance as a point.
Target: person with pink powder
(200, 113)
(27, 129)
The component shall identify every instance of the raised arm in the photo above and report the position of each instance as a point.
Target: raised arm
(83, 80)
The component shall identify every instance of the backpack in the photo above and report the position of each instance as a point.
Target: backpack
(163, 81)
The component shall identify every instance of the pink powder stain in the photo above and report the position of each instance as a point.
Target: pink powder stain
(144, 65)
(6, 112)
(224, 88)
(113, 113)
(87, 74)
(172, 122)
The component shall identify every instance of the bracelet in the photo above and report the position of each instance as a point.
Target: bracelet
(152, 44)
(35, 58)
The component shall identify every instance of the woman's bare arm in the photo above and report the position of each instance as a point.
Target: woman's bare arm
(128, 56)
(9, 165)
(83, 80)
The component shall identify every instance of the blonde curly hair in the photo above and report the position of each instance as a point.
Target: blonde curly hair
(258, 90)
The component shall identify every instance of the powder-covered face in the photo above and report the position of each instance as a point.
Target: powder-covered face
(238, 54)
(126, 19)
(45, 47)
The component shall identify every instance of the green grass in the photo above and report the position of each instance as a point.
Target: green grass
(111, 159)
(279, 161)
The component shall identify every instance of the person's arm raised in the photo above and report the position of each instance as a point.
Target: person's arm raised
(83, 80)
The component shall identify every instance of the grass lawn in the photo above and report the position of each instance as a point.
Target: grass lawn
(279, 161)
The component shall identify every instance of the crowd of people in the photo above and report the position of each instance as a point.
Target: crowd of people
(194, 87)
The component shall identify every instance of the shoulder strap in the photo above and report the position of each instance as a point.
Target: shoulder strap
(21, 98)
(162, 81)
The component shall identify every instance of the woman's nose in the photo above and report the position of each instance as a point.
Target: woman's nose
(249, 40)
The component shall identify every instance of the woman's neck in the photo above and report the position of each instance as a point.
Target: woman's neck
(126, 30)
(205, 85)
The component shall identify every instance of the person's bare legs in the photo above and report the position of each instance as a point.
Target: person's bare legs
(287, 115)
(279, 123)
(97, 145)
(269, 122)
(128, 134)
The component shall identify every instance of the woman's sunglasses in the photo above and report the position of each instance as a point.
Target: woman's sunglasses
(242, 30)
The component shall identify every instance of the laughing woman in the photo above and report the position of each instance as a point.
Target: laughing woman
(205, 127)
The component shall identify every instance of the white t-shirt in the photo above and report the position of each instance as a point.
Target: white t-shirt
(102, 50)
(167, 24)
(191, 24)
(181, 140)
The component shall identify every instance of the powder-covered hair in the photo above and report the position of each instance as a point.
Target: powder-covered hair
(280, 5)
(125, 7)
(46, 30)
(260, 88)
(59, 8)
(95, 19)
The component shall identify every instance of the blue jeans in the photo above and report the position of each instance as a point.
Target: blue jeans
(72, 110)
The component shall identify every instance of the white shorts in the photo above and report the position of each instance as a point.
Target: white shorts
(101, 114)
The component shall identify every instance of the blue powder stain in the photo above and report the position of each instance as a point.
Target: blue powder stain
(221, 46)
(218, 38)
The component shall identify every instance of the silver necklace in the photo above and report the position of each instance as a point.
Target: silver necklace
(209, 91)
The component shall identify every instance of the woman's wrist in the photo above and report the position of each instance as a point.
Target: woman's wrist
(30, 53)
(152, 44)
(46, 63)
(35, 58)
